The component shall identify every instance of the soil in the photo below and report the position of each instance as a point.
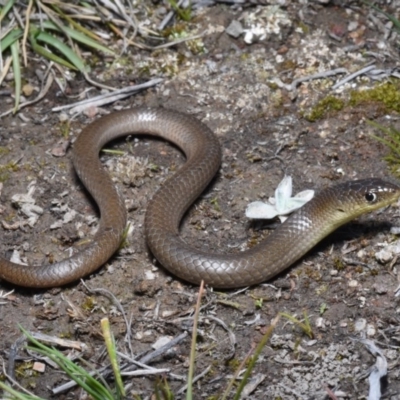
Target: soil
(346, 292)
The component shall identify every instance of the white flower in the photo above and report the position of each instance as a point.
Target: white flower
(282, 204)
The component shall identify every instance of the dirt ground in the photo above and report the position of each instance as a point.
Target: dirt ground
(231, 86)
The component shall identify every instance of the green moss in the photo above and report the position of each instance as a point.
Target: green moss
(387, 94)
(65, 129)
(338, 264)
(328, 104)
(214, 202)
(234, 364)
(272, 85)
(89, 303)
(305, 28)
(287, 65)
(65, 335)
(391, 140)
(176, 31)
(6, 169)
(196, 46)
(24, 369)
(4, 150)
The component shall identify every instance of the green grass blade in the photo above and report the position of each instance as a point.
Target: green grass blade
(112, 355)
(305, 326)
(65, 50)
(380, 127)
(393, 19)
(86, 33)
(7, 7)
(74, 371)
(17, 73)
(254, 358)
(391, 133)
(10, 38)
(184, 14)
(78, 36)
(47, 54)
(386, 143)
(18, 395)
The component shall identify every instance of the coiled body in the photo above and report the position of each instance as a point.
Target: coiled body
(290, 241)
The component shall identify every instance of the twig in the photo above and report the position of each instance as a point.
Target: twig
(151, 356)
(26, 31)
(320, 75)
(352, 76)
(232, 337)
(104, 371)
(168, 17)
(109, 295)
(107, 98)
(5, 295)
(144, 372)
(195, 379)
(14, 382)
(237, 372)
(40, 96)
(12, 356)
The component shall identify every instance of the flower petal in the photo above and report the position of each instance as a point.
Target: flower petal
(260, 210)
(291, 205)
(283, 192)
(306, 195)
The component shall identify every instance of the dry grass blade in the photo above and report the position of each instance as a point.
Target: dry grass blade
(392, 142)
(304, 326)
(189, 393)
(255, 356)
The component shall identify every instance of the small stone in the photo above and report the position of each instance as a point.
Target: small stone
(150, 275)
(168, 313)
(235, 29)
(352, 26)
(371, 331)
(384, 256)
(353, 283)
(163, 340)
(56, 225)
(323, 134)
(311, 342)
(361, 254)
(60, 149)
(69, 216)
(27, 90)
(380, 288)
(320, 323)
(63, 117)
(333, 272)
(38, 366)
(360, 324)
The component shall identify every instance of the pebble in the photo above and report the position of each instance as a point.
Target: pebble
(163, 340)
(384, 256)
(38, 366)
(360, 325)
(235, 29)
(380, 288)
(353, 283)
